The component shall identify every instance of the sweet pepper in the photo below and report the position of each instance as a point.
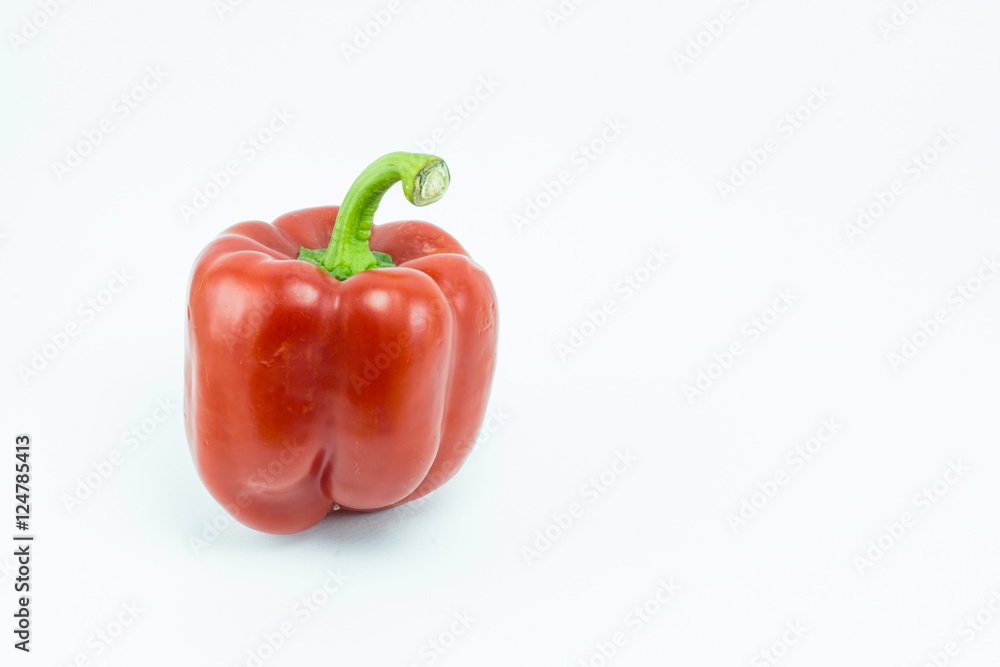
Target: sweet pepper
(336, 364)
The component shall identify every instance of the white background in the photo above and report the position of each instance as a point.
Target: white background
(559, 420)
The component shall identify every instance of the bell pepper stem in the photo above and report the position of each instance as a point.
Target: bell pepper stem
(425, 179)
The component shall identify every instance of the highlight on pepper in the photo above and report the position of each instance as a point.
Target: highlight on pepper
(334, 364)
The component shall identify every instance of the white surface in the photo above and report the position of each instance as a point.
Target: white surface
(551, 90)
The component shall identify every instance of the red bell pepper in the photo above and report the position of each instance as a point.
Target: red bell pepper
(350, 376)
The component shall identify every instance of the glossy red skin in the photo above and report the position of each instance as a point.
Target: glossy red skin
(281, 418)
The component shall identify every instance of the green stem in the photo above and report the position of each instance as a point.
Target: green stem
(425, 179)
